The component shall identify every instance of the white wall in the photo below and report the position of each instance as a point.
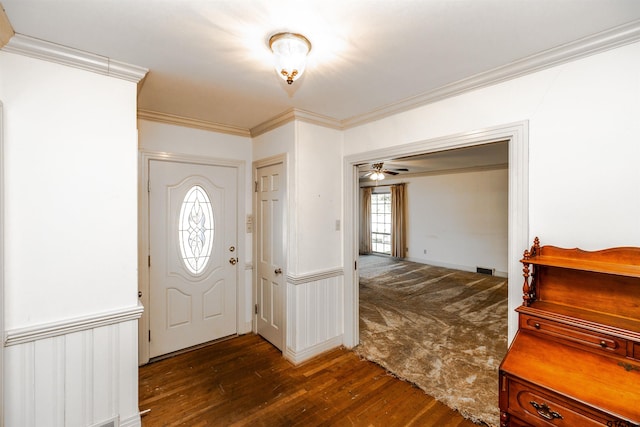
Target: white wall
(583, 144)
(314, 247)
(460, 219)
(70, 146)
(318, 198)
(314, 191)
(71, 201)
(583, 149)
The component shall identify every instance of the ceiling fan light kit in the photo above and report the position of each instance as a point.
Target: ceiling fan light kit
(290, 52)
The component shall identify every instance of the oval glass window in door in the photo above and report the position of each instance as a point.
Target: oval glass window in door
(196, 229)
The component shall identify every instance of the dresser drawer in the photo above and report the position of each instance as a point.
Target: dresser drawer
(539, 407)
(587, 339)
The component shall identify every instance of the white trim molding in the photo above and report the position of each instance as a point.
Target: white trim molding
(314, 277)
(295, 114)
(82, 378)
(518, 136)
(171, 119)
(54, 329)
(297, 357)
(590, 45)
(144, 159)
(41, 49)
(315, 316)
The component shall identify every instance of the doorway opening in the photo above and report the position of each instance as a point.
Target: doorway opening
(517, 136)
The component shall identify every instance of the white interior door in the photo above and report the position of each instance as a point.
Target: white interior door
(270, 284)
(193, 254)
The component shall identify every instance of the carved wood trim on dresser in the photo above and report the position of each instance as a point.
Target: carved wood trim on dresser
(575, 360)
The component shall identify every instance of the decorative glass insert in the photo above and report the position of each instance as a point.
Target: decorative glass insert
(196, 229)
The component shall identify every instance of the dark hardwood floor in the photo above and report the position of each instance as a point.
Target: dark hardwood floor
(246, 381)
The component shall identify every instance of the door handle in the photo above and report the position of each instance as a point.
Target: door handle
(233, 261)
(278, 270)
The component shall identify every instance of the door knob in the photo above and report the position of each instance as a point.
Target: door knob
(233, 261)
(278, 270)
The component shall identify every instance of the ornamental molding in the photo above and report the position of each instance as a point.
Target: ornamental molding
(64, 327)
(172, 119)
(315, 276)
(52, 52)
(581, 48)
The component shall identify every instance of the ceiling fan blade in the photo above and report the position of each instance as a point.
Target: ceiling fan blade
(399, 169)
(390, 172)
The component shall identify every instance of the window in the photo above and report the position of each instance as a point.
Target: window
(381, 223)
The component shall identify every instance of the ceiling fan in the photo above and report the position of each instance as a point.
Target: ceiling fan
(378, 171)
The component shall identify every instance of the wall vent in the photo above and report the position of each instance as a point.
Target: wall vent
(484, 270)
(113, 422)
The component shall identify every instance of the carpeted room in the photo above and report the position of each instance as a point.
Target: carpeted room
(426, 315)
(444, 330)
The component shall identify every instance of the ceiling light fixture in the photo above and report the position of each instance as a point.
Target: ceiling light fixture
(290, 52)
(377, 174)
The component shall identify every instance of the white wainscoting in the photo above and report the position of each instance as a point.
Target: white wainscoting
(315, 314)
(74, 373)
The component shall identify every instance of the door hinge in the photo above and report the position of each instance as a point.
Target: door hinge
(256, 309)
(256, 187)
(148, 186)
(149, 335)
(149, 260)
(355, 265)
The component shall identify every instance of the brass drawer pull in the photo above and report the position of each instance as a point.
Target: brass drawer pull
(544, 411)
(603, 344)
(536, 325)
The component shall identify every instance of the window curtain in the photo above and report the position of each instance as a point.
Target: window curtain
(365, 221)
(398, 221)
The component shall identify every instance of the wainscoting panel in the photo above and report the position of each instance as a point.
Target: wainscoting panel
(314, 314)
(81, 378)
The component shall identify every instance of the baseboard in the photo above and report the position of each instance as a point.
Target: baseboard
(296, 357)
(469, 268)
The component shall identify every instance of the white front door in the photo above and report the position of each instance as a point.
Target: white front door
(193, 254)
(269, 228)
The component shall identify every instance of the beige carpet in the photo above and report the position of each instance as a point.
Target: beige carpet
(444, 330)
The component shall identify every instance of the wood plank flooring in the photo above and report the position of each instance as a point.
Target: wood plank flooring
(246, 381)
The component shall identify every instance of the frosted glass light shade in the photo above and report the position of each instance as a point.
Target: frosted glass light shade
(290, 52)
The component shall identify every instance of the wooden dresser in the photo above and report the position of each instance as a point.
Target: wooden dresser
(575, 360)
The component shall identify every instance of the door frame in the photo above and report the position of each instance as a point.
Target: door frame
(270, 161)
(145, 157)
(518, 136)
(2, 307)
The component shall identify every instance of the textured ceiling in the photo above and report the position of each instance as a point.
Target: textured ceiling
(209, 60)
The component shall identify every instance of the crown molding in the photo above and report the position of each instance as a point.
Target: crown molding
(600, 42)
(172, 119)
(295, 114)
(41, 49)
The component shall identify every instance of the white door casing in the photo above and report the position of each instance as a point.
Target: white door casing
(518, 136)
(270, 276)
(192, 300)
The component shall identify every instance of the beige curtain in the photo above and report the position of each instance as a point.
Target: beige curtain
(365, 221)
(398, 221)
